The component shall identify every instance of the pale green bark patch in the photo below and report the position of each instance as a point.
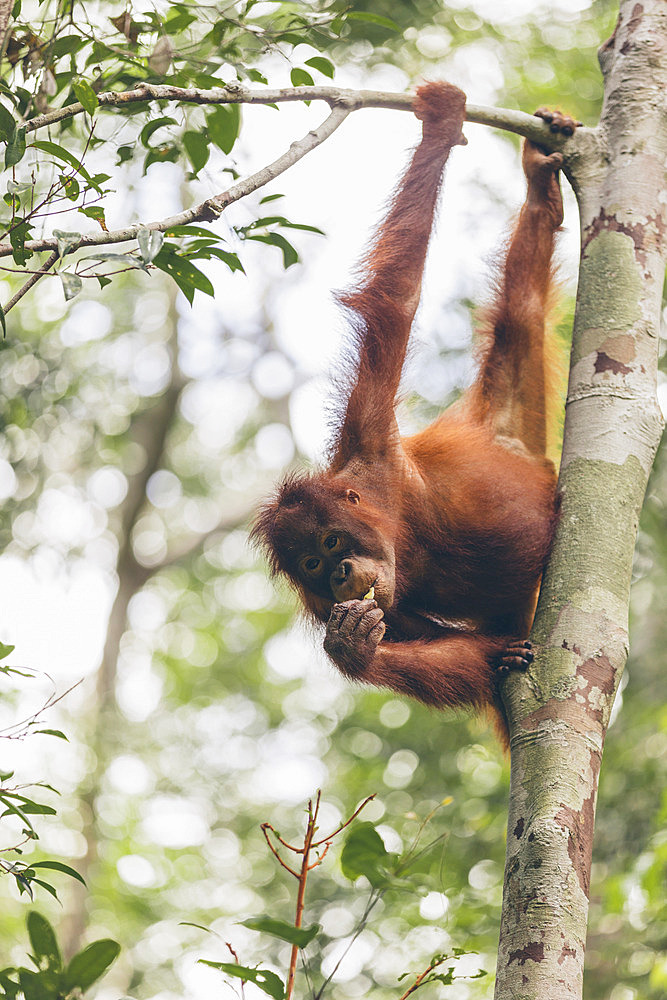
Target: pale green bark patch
(609, 296)
(598, 493)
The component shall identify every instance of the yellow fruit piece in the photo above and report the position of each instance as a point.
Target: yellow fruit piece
(370, 595)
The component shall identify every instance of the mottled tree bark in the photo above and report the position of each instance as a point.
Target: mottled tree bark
(560, 710)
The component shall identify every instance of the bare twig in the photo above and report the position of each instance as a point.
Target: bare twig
(19, 729)
(311, 827)
(235, 956)
(32, 280)
(309, 844)
(419, 981)
(265, 827)
(290, 847)
(326, 840)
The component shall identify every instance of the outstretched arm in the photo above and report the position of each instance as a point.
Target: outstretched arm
(384, 302)
(511, 387)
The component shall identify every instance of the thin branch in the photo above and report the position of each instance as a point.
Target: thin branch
(419, 981)
(19, 729)
(352, 100)
(213, 207)
(320, 857)
(373, 899)
(342, 102)
(290, 847)
(235, 956)
(32, 280)
(311, 827)
(265, 827)
(330, 836)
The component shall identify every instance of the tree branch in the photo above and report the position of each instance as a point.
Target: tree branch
(32, 280)
(210, 209)
(342, 103)
(335, 97)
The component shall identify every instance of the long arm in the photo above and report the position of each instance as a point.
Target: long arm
(455, 669)
(383, 305)
(511, 391)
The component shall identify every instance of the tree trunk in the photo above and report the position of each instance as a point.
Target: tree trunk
(560, 710)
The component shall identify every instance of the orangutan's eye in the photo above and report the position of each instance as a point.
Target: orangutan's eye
(332, 542)
(312, 564)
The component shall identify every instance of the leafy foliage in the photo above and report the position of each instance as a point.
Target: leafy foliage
(363, 854)
(57, 67)
(21, 806)
(52, 979)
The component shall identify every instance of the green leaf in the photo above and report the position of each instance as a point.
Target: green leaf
(66, 45)
(103, 280)
(95, 212)
(223, 126)
(60, 153)
(200, 927)
(322, 65)
(290, 255)
(301, 77)
(22, 882)
(188, 277)
(71, 187)
(18, 187)
(190, 231)
(66, 241)
(257, 77)
(45, 885)
(13, 810)
(17, 238)
(91, 963)
(121, 258)
(5, 650)
(385, 22)
(177, 21)
(3, 322)
(364, 853)
(300, 936)
(7, 124)
(28, 806)
(279, 220)
(71, 283)
(196, 146)
(86, 95)
(153, 126)
(230, 259)
(58, 866)
(268, 982)
(43, 942)
(34, 987)
(52, 732)
(15, 148)
(270, 197)
(150, 243)
(169, 153)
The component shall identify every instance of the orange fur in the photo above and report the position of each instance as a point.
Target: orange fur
(451, 526)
